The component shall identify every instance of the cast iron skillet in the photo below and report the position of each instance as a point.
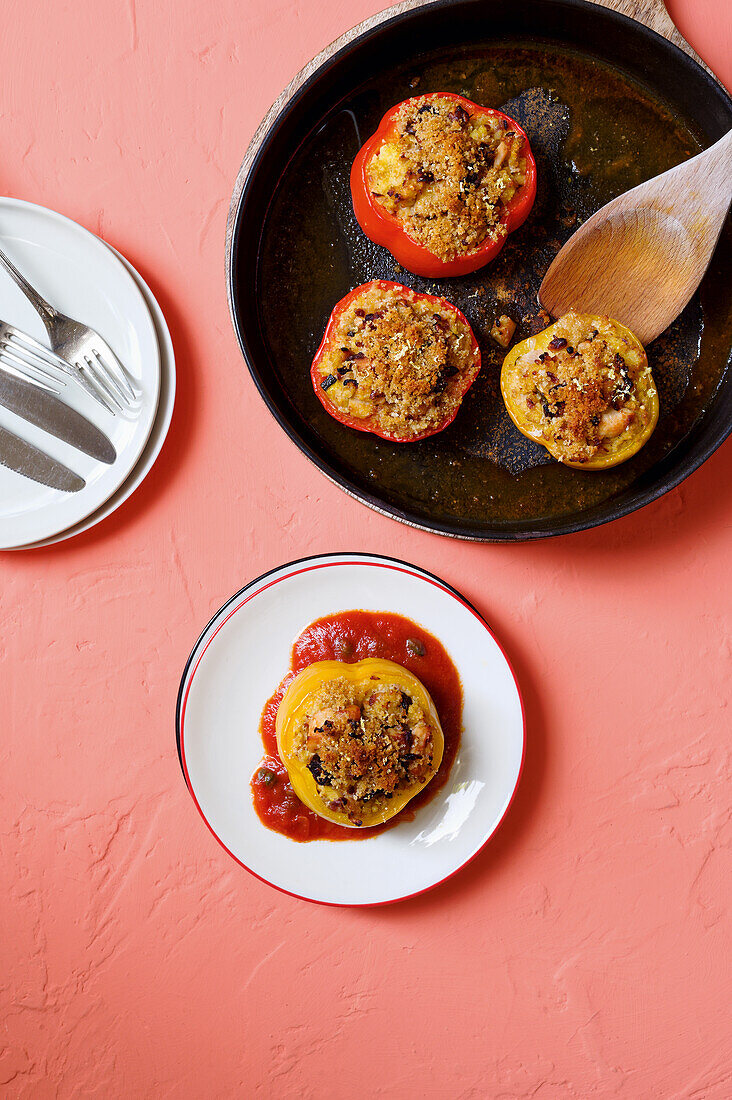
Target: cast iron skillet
(606, 103)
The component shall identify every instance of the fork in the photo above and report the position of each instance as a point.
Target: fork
(25, 357)
(80, 351)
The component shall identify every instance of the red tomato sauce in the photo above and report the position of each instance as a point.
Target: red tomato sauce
(352, 636)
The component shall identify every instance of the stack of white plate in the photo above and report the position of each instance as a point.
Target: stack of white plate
(88, 280)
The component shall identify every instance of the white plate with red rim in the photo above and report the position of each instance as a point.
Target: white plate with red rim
(240, 659)
(79, 275)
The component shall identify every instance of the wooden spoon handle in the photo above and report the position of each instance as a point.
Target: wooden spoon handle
(653, 14)
(710, 174)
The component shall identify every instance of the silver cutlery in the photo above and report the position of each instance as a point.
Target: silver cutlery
(43, 409)
(88, 358)
(24, 458)
(24, 356)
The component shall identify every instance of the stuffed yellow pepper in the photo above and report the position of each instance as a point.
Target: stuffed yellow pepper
(583, 389)
(358, 740)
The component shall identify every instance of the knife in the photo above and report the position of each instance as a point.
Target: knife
(41, 408)
(24, 458)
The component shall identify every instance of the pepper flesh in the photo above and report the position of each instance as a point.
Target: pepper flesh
(294, 706)
(538, 345)
(384, 228)
(368, 424)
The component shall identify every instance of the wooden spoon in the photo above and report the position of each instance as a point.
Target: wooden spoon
(641, 257)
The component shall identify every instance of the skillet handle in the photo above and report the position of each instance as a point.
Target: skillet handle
(653, 14)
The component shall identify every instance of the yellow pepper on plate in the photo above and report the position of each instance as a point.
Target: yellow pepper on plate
(358, 740)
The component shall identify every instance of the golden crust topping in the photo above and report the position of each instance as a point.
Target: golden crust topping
(399, 360)
(447, 175)
(584, 388)
(364, 744)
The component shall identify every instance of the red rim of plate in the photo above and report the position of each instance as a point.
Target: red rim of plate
(380, 562)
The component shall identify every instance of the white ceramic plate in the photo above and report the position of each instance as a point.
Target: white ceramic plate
(159, 429)
(82, 277)
(240, 659)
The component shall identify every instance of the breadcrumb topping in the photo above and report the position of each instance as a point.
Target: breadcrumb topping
(363, 744)
(447, 175)
(587, 392)
(398, 360)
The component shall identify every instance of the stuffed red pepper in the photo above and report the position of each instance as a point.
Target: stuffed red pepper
(442, 183)
(395, 362)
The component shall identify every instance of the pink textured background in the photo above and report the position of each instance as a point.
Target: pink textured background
(584, 953)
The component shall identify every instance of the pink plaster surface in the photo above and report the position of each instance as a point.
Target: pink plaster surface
(585, 953)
